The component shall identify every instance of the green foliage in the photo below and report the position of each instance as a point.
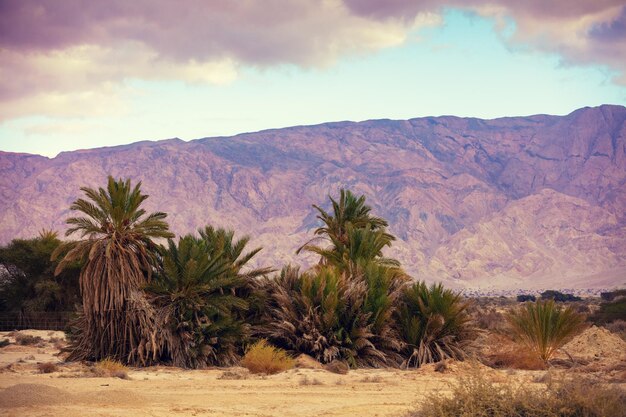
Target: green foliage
(196, 289)
(558, 296)
(544, 327)
(119, 255)
(321, 313)
(475, 395)
(613, 309)
(434, 324)
(27, 281)
(348, 211)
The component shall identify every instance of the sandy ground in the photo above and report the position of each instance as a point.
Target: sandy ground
(163, 391)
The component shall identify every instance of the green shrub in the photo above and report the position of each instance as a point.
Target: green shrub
(477, 396)
(262, 358)
(544, 327)
(559, 296)
(434, 324)
(195, 293)
(611, 311)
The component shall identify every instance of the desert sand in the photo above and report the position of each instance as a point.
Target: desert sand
(72, 390)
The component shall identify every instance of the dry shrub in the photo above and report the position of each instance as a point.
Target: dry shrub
(618, 327)
(498, 351)
(263, 358)
(110, 368)
(234, 375)
(47, 367)
(4, 342)
(313, 381)
(27, 340)
(373, 379)
(337, 367)
(477, 396)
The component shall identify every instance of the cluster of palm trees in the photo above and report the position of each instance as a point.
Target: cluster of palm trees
(194, 303)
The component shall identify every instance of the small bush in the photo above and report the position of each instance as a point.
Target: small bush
(522, 298)
(262, 358)
(559, 296)
(27, 340)
(477, 396)
(610, 311)
(611, 295)
(337, 367)
(544, 327)
(313, 381)
(4, 342)
(618, 327)
(47, 367)
(110, 368)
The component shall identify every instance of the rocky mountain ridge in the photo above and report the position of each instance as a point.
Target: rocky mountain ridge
(522, 201)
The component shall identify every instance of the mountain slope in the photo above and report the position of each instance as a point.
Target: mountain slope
(527, 201)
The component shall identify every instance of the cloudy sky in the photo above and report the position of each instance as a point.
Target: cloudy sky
(84, 73)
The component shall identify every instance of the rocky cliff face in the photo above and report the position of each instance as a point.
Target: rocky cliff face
(525, 201)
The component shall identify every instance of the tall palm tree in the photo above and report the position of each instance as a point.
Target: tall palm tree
(118, 253)
(350, 210)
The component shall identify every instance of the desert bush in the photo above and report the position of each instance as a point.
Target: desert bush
(611, 295)
(610, 311)
(618, 327)
(262, 358)
(522, 298)
(110, 368)
(47, 367)
(558, 296)
(475, 395)
(310, 381)
(27, 340)
(543, 327)
(434, 324)
(337, 367)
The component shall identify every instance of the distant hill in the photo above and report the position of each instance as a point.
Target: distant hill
(527, 202)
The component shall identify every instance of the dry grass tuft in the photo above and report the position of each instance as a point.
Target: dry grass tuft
(27, 340)
(110, 368)
(234, 374)
(477, 396)
(263, 358)
(47, 367)
(373, 379)
(313, 381)
(618, 327)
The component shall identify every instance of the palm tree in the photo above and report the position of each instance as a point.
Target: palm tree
(119, 255)
(544, 327)
(320, 313)
(195, 290)
(434, 324)
(349, 210)
(362, 245)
